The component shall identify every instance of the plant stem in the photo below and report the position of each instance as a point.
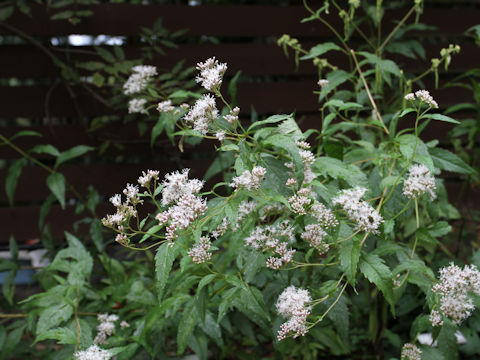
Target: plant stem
(372, 101)
(399, 25)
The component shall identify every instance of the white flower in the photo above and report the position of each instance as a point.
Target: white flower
(410, 97)
(145, 179)
(220, 135)
(92, 353)
(324, 216)
(360, 212)
(436, 318)
(124, 324)
(211, 74)
(116, 200)
(425, 97)
(165, 106)
(245, 208)
(300, 201)
(427, 339)
(199, 253)
(453, 288)
(293, 304)
(314, 234)
(138, 80)
(232, 117)
(302, 145)
(411, 352)
(202, 114)
(221, 229)
(105, 328)
(136, 106)
(177, 184)
(323, 83)
(419, 181)
(291, 182)
(249, 180)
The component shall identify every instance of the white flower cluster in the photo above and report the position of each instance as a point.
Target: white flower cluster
(293, 304)
(271, 210)
(187, 207)
(147, 177)
(105, 328)
(324, 216)
(137, 106)
(323, 83)
(232, 116)
(199, 253)
(138, 80)
(245, 208)
(360, 212)
(424, 96)
(221, 229)
(249, 180)
(436, 318)
(411, 352)
(211, 74)
(314, 234)
(93, 353)
(267, 238)
(203, 112)
(453, 288)
(308, 158)
(300, 201)
(419, 181)
(165, 106)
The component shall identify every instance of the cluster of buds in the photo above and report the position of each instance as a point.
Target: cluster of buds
(419, 181)
(105, 328)
(199, 253)
(424, 97)
(249, 180)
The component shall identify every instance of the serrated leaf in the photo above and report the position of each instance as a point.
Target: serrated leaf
(287, 143)
(205, 281)
(72, 153)
(375, 270)
(440, 117)
(13, 174)
(12, 340)
(270, 120)
(349, 255)
(446, 160)
(56, 184)
(53, 316)
(228, 298)
(163, 264)
(320, 49)
(63, 335)
(338, 169)
(187, 324)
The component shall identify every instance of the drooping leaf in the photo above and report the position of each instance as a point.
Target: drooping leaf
(163, 264)
(320, 49)
(349, 255)
(446, 160)
(375, 270)
(440, 117)
(12, 178)
(72, 153)
(56, 184)
(187, 325)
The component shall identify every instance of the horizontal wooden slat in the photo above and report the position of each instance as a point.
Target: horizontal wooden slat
(249, 58)
(106, 179)
(229, 20)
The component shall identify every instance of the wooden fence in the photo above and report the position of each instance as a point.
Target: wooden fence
(246, 41)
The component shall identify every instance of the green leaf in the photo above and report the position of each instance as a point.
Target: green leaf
(98, 79)
(46, 149)
(205, 281)
(25, 133)
(335, 78)
(105, 54)
(228, 299)
(287, 143)
(158, 128)
(447, 342)
(338, 169)
(422, 155)
(349, 255)
(72, 153)
(45, 209)
(446, 160)
(12, 340)
(62, 15)
(270, 120)
(63, 335)
(440, 117)
(187, 325)
(53, 316)
(320, 49)
(375, 270)
(6, 12)
(384, 65)
(96, 229)
(252, 306)
(12, 178)
(163, 264)
(56, 184)
(91, 65)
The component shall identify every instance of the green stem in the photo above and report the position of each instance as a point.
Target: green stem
(399, 25)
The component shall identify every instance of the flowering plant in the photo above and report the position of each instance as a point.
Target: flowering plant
(319, 242)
